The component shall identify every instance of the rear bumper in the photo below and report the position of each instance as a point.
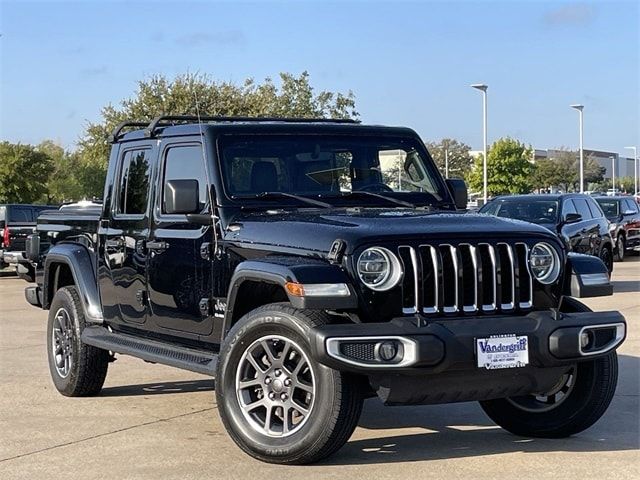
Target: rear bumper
(443, 367)
(12, 257)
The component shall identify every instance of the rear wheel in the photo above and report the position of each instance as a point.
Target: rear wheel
(578, 400)
(76, 369)
(620, 246)
(277, 403)
(607, 257)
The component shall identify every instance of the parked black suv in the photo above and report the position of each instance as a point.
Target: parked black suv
(576, 218)
(310, 264)
(17, 222)
(624, 217)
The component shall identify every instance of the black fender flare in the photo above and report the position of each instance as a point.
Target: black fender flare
(279, 271)
(579, 266)
(82, 268)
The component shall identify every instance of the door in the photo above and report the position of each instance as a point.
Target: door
(180, 268)
(125, 232)
(589, 228)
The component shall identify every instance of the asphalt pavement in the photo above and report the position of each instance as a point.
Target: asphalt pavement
(157, 422)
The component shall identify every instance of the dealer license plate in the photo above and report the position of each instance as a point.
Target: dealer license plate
(502, 351)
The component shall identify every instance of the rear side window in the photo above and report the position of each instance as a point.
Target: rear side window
(186, 163)
(630, 205)
(582, 208)
(134, 183)
(596, 212)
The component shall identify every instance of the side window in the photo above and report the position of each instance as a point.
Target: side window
(582, 208)
(186, 163)
(568, 207)
(596, 211)
(134, 183)
(20, 214)
(631, 205)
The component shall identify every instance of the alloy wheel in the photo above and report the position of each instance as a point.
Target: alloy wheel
(275, 386)
(548, 400)
(62, 338)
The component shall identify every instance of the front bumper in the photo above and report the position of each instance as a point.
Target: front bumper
(12, 257)
(444, 368)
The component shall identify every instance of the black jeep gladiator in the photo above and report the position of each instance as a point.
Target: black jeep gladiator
(309, 264)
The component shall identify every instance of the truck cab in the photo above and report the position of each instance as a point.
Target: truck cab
(308, 264)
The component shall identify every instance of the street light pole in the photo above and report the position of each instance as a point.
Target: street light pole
(613, 174)
(635, 169)
(483, 88)
(446, 160)
(580, 108)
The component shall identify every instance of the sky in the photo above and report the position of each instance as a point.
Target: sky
(408, 63)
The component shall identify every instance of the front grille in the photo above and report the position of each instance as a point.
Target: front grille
(358, 350)
(465, 278)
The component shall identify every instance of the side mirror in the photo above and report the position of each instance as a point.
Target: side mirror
(181, 197)
(458, 190)
(572, 218)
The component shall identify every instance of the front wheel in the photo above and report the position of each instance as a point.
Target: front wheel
(580, 398)
(607, 258)
(276, 402)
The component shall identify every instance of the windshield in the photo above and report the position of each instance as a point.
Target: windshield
(338, 169)
(527, 209)
(609, 207)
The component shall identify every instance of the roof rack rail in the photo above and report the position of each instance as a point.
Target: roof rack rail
(121, 126)
(163, 120)
(168, 120)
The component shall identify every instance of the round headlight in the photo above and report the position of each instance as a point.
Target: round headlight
(544, 263)
(379, 269)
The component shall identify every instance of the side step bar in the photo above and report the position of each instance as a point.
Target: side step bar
(151, 350)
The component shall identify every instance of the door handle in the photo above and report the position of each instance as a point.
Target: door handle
(157, 246)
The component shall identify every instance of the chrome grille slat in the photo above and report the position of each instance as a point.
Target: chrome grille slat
(466, 278)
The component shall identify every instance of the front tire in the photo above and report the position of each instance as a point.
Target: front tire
(580, 399)
(607, 257)
(620, 246)
(277, 403)
(77, 369)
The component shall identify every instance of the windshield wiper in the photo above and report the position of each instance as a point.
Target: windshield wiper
(383, 197)
(300, 198)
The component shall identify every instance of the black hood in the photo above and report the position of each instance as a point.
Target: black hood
(316, 229)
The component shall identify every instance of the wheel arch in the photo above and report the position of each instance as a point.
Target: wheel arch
(71, 264)
(259, 282)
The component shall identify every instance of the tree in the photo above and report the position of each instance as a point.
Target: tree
(64, 182)
(508, 169)
(547, 174)
(568, 170)
(189, 94)
(460, 160)
(24, 172)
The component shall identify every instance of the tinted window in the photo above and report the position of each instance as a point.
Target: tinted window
(582, 208)
(630, 205)
(568, 207)
(20, 214)
(527, 209)
(134, 183)
(596, 212)
(609, 207)
(186, 163)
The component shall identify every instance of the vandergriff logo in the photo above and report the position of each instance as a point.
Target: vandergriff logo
(487, 347)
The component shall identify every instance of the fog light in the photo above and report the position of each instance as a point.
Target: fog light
(585, 339)
(387, 351)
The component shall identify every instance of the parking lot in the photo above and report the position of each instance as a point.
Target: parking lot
(152, 421)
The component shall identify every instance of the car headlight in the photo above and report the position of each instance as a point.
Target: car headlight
(379, 269)
(544, 263)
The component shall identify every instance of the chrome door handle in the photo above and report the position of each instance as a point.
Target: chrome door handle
(157, 246)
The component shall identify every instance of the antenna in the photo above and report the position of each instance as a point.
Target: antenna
(206, 172)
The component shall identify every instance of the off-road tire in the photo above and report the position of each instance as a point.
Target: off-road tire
(619, 250)
(595, 385)
(89, 364)
(338, 396)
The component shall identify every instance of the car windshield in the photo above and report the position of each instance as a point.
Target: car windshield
(609, 207)
(527, 209)
(340, 169)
